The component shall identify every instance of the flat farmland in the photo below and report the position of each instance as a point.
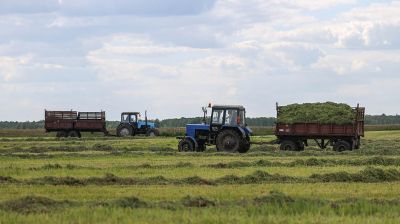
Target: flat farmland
(146, 180)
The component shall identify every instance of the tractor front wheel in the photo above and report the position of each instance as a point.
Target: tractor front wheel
(124, 130)
(229, 140)
(186, 145)
(153, 133)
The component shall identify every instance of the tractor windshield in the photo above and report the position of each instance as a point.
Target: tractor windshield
(125, 118)
(217, 116)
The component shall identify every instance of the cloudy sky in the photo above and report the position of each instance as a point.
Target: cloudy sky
(173, 56)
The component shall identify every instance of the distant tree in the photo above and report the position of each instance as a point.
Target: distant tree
(181, 122)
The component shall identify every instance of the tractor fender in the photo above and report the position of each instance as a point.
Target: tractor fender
(243, 132)
(238, 129)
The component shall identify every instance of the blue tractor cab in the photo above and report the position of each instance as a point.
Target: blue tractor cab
(226, 129)
(131, 125)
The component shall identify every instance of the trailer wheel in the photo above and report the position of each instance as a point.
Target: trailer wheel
(341, 146)
(288, 145)
(185, 145)
(358, 143)
(124, 130)
(74, 134)
(153, 133)
(229, 140)
(300, 146)
(61, 134)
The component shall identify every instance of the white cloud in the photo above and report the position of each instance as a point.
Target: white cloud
(315, 5)
(371, 63)
(171, 62)
(95, 8)
(9, 66)
(356, 90)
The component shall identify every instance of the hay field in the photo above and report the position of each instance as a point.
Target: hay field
(146, 180)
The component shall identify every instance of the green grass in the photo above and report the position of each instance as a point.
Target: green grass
(318, 186)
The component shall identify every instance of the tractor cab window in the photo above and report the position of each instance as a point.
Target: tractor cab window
(217, 116)
(231, 117)
(242, 117)
(125, 118)
(133, 118)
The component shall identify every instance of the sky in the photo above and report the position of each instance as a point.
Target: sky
(171, 57)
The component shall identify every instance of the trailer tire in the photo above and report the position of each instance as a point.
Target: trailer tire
(341, 146)
(288, 145)
(74, 134)
(152, 133)
(186, 145)
(61, 134)
(229, 140)
(124, 130)
(358, 143)
(300, 146)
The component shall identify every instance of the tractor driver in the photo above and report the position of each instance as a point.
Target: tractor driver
(231, 117)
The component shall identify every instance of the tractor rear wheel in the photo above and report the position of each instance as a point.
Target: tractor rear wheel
(288, 145)
(229, 140)
(341, 146)
(186, 145)
(124, 130)
(201, 147)
(74, 134)
(245, 146)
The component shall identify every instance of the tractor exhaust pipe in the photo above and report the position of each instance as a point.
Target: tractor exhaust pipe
(145, 117)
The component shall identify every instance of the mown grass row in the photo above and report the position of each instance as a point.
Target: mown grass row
(311, 162)
(368, 175)
(155, 151)
(274, 202)
(82, 148)
(167, 147)
(140, 166)
(377, 160)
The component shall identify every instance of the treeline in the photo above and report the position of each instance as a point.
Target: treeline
(21, 125)
(181, 122)
(382, 119)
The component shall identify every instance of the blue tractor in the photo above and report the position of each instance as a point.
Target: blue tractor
(226, 129)
(131, 125)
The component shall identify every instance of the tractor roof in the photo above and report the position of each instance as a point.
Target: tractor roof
(240, 107)
(130, 113)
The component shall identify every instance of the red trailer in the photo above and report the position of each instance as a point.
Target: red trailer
(341, 137)
(72, 123)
